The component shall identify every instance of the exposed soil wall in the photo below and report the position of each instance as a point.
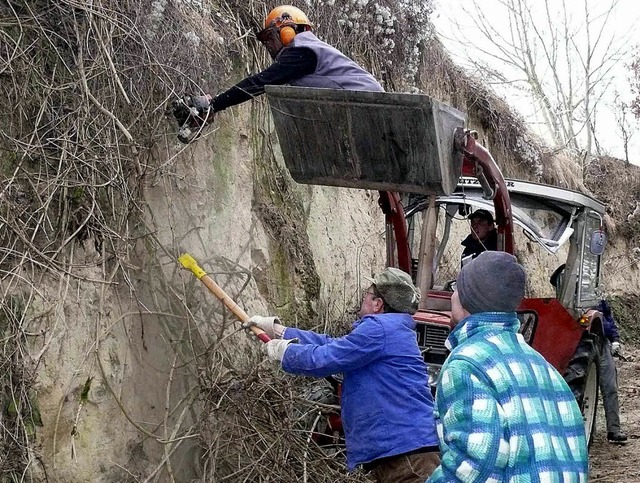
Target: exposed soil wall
(117, 364)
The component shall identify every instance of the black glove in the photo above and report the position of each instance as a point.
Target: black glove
(192, 114)
(196, 110)
(181, 111)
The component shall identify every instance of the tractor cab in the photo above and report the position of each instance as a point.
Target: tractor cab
(564, 224)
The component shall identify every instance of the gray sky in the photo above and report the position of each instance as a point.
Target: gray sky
(624, 27)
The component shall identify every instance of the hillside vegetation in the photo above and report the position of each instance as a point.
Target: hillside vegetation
(117, 366)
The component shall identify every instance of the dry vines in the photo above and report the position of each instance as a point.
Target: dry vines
(87, 85)
(20, 416)
(82, 132)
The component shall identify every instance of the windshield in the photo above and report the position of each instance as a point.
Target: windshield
(544, 222)
(545, 218)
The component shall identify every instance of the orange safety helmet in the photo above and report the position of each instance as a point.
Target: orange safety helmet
(285, 19)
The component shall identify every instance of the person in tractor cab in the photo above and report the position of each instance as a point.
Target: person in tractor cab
(503, 412)
(609, 376)
(386, 407)
(483, 235)
(300, 59)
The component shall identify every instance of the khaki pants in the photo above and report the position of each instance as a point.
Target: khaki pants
(413, 468)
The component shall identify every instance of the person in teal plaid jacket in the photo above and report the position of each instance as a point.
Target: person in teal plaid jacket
(503, 413)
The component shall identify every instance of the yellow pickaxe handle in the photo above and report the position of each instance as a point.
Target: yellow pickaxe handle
(188, 262)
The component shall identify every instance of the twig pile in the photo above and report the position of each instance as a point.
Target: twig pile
(84, 86)
(260, 426)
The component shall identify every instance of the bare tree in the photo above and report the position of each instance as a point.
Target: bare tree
(622, 114)
(559, 54)
(635, 85)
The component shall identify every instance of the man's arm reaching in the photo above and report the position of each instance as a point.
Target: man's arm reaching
(293, 63)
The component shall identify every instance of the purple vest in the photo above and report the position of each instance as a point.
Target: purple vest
(334, 70)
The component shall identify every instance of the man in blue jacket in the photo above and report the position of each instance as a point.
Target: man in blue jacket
(387, 408)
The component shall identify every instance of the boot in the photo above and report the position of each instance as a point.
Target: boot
(617, 438)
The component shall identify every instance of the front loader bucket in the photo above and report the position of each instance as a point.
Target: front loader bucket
(371, 140)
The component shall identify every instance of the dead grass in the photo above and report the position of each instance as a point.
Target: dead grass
(85, 132)
(89, 83)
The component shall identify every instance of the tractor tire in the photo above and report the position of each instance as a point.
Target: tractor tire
(583, 377)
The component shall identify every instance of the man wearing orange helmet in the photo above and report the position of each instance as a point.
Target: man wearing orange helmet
(300, 59)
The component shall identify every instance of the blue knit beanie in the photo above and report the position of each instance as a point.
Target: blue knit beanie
(491, 282)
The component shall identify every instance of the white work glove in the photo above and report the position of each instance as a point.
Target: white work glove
(616, 348)
(275, 348)
(271, 325)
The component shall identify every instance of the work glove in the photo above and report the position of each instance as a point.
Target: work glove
(194, 109)
(197, 106)
(616, 348)
(271, 325)
(275, 348)
(193, 113)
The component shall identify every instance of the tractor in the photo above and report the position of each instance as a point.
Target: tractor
(431, 173)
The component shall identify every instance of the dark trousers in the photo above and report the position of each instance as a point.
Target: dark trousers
(609, 388)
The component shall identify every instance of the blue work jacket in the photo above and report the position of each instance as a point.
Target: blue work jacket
(387, 408)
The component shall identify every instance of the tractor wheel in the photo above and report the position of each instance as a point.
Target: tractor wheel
(583, 377)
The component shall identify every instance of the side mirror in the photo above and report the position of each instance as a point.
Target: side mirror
(598, 242)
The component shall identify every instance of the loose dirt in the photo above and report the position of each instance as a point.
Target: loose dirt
(614, 463)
